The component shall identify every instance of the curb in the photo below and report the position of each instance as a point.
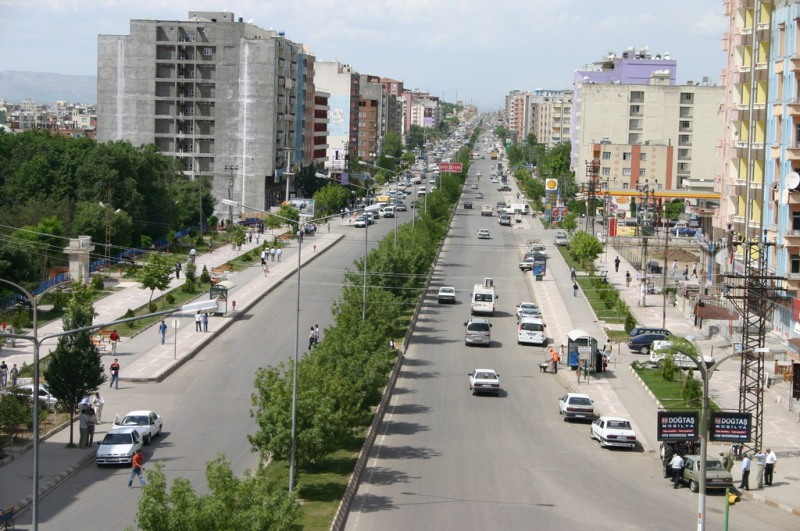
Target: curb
(55, 482)
(758, 498)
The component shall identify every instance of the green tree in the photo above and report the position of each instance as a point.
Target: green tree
(569, 222)
(585, 249)
(252, 502)
(330, 200)
(156, 273)
(15, 411)
(392, 145)
(74, 369)
(692, 390)
(674, 209)
(238, 235)
(307, 182)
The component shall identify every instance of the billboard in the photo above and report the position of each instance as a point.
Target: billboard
(677, 426)
(730, 427)
(450, 167)
(339, 116)
(338, 158)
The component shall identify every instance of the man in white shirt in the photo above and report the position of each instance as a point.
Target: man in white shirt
(676, 464)
(769, 467)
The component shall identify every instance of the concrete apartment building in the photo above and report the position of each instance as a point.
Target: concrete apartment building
(342, 82)
(518, 114)
(552, 116)
(396, 112)
(683, 116)
(424, 110)
(231, 101)
(372, 117)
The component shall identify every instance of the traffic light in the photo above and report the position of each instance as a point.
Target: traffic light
(731, 497)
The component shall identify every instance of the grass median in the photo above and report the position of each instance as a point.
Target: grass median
(670, 393)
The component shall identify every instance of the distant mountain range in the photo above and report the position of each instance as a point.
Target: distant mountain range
(47, 88)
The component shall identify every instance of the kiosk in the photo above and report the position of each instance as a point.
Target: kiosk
(219, 291)
(580, 346)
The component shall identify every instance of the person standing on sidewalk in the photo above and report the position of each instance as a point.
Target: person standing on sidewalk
(279, 253)
(627, 279)
(114, 338)
(554, 357)
(198, 322)
(205, 322)
(745, 483)
(177, 270)
(575, 289)
(162, 329)
(761, 461)
(686, 273)
(92, 422)
(573, 274)
(3, 374)
(674, 267)
(616, 264)
(114, 374)
(14, 372)
(769, 467)
(83, 428)
(676, 465)
(97, 403)
(137, 467)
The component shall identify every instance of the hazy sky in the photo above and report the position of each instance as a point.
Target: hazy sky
(477, 50)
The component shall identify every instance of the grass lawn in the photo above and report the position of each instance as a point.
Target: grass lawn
(320, 486)
(669, 393)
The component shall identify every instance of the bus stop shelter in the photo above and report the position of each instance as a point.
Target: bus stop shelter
(219, 291)
(580, 346)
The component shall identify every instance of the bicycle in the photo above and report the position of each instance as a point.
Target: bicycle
(7, 518)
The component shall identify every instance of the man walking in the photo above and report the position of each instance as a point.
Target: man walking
(137, 467)
(311, 339)
(627, 279)
(676, 465)
(761, 461)
(745, 483)
(114, 338)
(694, 270)
(198, 322)
(162, 329)
(686, 273)
(674, 267)
(14, 375)
(97, 403)
(769, 467)
(115, 374)
(177, 270)
(616, 264)
(575, 289)
(83, 426)
(573, 274)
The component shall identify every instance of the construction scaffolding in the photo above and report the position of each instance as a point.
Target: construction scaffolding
(754, 294)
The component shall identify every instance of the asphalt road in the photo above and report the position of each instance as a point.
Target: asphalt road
(206, 403)
(445, 459)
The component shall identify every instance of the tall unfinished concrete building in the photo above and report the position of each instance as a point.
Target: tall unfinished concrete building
(231, 101)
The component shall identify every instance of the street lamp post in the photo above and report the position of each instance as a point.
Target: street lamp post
(293, 447)
(37, 343)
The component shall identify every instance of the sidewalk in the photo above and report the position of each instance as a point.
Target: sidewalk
(144, 359)
(781, 431)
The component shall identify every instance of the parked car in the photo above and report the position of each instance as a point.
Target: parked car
(447, 295)
(44, 394)
(644, 342)
(360, 221)
(531, 331)
(576, 406)
(638, 330)
(717, 476)
(561, 238)
(148, 423)
(484, 234)
(524, 307)
(478, 332)
(118, 446)
(484, 381)
(613, 431)
(468, 205)
(526, 264)
(473, 187)
(683, 231)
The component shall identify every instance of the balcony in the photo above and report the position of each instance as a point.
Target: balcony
(779, 67)
(792, 237)
(777, 109)
(794, 199)
(794, 61)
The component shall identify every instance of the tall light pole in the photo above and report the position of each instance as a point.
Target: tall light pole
(293, 447)
(37, 343)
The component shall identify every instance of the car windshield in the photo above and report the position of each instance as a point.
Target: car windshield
(619, 424)
(580, 401)
(137, 420)
(118, 438)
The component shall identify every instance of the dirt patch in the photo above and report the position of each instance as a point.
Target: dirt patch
(681, 256)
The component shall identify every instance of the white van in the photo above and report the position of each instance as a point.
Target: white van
(483, 297)
(531, 331)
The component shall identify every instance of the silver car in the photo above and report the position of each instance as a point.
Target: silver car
(118, 447)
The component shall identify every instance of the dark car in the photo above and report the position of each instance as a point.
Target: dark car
(468, 204)
(643, 342)
(638, 330)
(654, 268)
(683, 231)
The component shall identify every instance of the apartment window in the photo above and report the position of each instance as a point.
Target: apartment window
(635, 124)
(636, 110)
(795, 220)
(642, 172)
(637, 95)
(606, 171)
(684, 153)
(643, 156)
(626, 172)
(625, 186)
(634, 138)
(795, 264)
(685, 125)
(626, 155)
(683, 166)
(687, 97)
(683, 139)
(606, 155)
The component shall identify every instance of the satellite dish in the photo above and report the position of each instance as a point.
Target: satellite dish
(792, 181)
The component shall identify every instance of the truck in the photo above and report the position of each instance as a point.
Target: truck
(494, 154)
(487, 210)
(522, 208)
(483, 297)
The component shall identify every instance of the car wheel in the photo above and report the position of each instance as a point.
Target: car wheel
(644, 350)
(694, 486)
(146, 439)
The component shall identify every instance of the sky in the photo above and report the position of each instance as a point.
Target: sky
(472, 50)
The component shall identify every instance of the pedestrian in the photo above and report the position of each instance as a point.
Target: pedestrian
(3, 374)
(279, 253)
(574, 289)
(177, 270)
(554, 357)
(83, 427)
(580, 369)
(769, 467)
(761, 461)
(315, 247)
(694, 270)
(263, 258)
(745, 484)
(674, 267)
(573, 274)
(205, 322)
(316, 334)
(92, 422)
(605, 362)
(616, 264)
(198, 322)
(686, 273)
(676, 465)
(627, 279)
(727, 461)
(311, 339)
(115, 374)
(114, 338)
(391, 343)
(561, 353)
(97, 403)
(162, 329)
(272, 253)
(137, 467)
(192, 255)
(265, 267)
(14, 375)
(258, 238)
(329, 226)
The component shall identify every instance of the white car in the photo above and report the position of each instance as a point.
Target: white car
(523, 306)
(118, 446)
(531, 331)
(147, 423)
(613, 431)
(44, 394)
(484, 234)
(473, 187)
(484, 381)
(360, 222)
(447, 294)
(576, 406)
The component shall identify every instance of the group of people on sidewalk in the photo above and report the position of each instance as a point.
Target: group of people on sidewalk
(5, 373)
(91, 411)
(765, 468)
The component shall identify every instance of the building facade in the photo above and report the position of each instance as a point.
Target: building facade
(224, 97)
(342, 82)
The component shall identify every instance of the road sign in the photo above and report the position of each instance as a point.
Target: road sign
(730, 427)
(677, 426)
(528, 166)
(450, 167)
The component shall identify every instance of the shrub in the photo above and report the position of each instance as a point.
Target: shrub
(130, 313)
(630, 322)
(188, 286)
(205, 277)
(170, 298)
(152, 307)
(191, 273)
(692, 390)
(668, 368)
(96, 282)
